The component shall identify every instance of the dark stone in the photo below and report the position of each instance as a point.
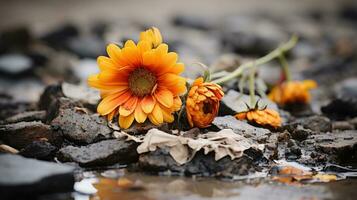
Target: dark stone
(341, 108)
(315, 123)
(49, 96)
(349, 12)
(80, 127)
(60, 36)
(204, 165)
(21, 134)
(16, 39)
(61, 104)
(10, 107)
(249, 35)
(329, 71)
(27, 117)
(192, 22)
(107, 152)
(40, 150)
(340, 147)
(26, 178)
(87, 47)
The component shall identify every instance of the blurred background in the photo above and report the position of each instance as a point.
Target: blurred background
(43, 42)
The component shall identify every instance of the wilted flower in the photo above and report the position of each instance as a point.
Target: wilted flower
(292, 92)
(139, 81)
(264, 117)
(202, 103)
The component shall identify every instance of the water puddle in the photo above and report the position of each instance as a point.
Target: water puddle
(119, 184)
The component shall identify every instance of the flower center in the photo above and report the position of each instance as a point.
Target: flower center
(141, 81)
(207, 107)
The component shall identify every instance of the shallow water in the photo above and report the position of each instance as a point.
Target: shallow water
(148, 187)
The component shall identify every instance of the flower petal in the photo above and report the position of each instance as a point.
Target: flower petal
(125, 122)
(165, 97)
(156, 116)
(139, 114)
(148, 103)
(128, 107)
(110, 102)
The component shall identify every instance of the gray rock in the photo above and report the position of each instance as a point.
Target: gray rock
(204, 165)
(234, 102)
(21, 134)
(249, 35)
(80, 127)
(10, 107)
(103, 153)
(40, 150)
(27, 117)
(49, 96)
(316, 123)
(242, 128)
(81, 93)
(14, 64)
(346, 89)
(88, 46)
(340, 146)
(342, 125)
(23, 177)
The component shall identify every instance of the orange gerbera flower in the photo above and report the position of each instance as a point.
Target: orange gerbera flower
(202, 103)
(139, 81)
(264, 117)
(292, 92)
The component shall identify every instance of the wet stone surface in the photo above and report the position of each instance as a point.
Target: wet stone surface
(32, 177)
(104, 153)
(21, 134)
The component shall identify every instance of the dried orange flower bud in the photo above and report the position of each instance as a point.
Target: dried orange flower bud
(292, 92)
(152, 35)
(202, 103)
(265, 117)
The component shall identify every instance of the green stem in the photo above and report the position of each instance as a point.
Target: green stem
(272, 55)
(251, 86)
(285, 66)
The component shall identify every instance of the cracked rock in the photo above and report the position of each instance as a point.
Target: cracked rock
(107, 152)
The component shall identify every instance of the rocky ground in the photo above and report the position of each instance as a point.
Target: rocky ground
(50, 132)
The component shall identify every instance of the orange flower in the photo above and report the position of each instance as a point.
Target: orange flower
(202, 103)
(139, 82)
(265, 117)
(292, 92)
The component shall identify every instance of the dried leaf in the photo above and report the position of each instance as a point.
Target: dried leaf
(182, 149)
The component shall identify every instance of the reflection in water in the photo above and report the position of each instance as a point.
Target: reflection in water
(138, 186)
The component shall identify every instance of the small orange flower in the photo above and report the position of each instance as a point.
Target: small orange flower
(292, 92)
(202, 103)
(265, 117)
(139, 81)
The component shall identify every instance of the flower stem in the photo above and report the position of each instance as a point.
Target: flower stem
(272, 55)
(251, 86)
(285, 66)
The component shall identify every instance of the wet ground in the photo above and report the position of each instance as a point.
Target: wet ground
(197, 188)
(44, 43)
